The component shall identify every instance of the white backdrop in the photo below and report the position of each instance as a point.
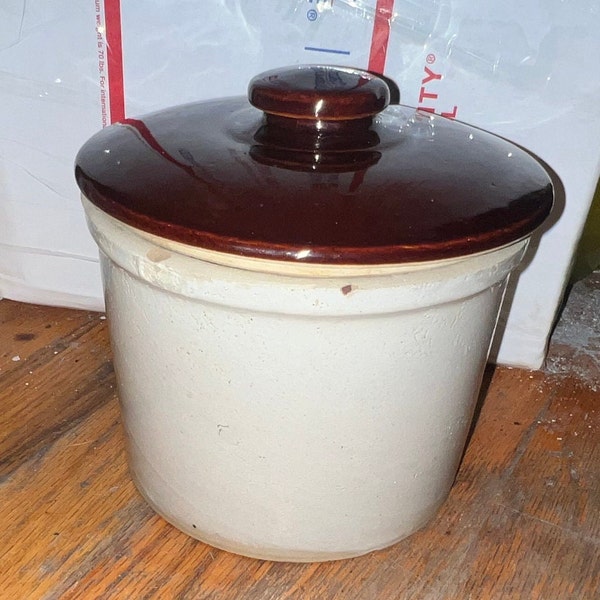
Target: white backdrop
(524, 69)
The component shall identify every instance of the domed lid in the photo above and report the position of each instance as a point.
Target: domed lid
(315, 169)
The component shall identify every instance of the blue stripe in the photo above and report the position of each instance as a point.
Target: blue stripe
(330, 50)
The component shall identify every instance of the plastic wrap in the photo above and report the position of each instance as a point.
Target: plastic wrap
(525, 70)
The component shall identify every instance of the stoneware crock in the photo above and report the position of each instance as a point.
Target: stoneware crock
(302, 289)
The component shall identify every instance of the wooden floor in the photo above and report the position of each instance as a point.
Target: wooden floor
(522, 521)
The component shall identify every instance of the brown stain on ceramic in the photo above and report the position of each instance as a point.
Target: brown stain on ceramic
(158, 255)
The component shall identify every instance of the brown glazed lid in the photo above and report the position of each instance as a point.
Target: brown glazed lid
(326, 174)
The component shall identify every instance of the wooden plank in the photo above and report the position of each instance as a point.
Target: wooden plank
(63, 365)
(522, 520)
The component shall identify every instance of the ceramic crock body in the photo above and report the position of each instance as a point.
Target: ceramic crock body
(297, 416)
(302, 288)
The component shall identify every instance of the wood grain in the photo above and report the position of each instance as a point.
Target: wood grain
(522, 520)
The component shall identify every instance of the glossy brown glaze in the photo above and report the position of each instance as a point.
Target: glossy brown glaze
(316, 92)
(414, 187)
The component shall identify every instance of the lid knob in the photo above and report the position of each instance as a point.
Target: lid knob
(319, 93)
(317, 108)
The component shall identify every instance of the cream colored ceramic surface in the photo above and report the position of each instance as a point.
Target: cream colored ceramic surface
(295, 418)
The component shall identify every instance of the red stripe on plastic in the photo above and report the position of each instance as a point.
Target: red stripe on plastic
(381, 35)
(114, 43)
(149, 138)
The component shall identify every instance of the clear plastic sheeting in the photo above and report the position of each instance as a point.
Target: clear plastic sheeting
(48, 106)
(523, 69)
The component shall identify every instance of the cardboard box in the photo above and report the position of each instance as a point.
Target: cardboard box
(523, 70)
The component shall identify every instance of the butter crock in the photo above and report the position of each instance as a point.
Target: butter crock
(302, 287)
